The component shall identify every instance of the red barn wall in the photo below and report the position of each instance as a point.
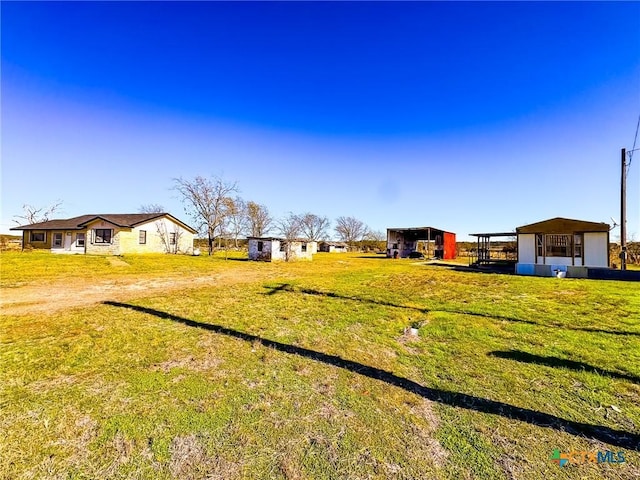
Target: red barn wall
(449, 246)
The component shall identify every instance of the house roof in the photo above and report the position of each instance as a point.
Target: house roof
(126, 220)
(562, 225)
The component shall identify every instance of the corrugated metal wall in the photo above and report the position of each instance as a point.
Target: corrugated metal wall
(449, 246)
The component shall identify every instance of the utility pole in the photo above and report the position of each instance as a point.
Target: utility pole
(623, 212)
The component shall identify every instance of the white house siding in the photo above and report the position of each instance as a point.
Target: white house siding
(69, 241)
(271, 250)
(556, 261)
(595, 249)
(265, 254)
(527, 248)
(156, 231)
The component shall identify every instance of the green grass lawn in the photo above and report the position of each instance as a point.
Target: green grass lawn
(308, 372)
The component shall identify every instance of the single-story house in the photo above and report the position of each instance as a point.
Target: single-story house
(562, 244)
(111, 234)
(271, 249)
(432, 242)
(333, 247)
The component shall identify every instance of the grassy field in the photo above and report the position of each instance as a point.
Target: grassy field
(308, 371)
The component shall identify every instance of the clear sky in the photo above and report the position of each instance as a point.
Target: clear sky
(470, 117)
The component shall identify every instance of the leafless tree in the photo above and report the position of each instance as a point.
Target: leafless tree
(289, 228)
(33, 215)
(351, 230)
(259, 220)
(151, 208)
(169, 236)
(206, 201)
(313, 227)
(237, 219)
(376, 236)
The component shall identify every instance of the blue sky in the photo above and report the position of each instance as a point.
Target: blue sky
(464, 116)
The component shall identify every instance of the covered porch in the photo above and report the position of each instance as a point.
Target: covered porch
(496, 249)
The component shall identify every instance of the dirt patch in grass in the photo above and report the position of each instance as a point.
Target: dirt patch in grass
(117, 262)
(61, 294)
(189, 461)
(189, 363)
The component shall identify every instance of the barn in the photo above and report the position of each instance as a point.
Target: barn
(562, 245)
(430, 241)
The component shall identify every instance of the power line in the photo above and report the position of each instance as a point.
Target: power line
(634, 144)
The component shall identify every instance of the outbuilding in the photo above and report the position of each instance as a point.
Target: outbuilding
(272, 249)
(333, 247)
(431, 242)
(562, 245)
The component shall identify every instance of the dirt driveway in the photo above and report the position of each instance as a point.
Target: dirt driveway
(63, 294)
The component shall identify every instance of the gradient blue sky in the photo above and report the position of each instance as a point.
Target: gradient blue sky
(464, 116)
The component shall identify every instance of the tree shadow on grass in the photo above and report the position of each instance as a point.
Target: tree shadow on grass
(287, 287)
(561, 363)
(618, 438)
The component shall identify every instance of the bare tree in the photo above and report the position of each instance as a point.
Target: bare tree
(206, 201)
(351, 230)
(33, 215)
(313, 227)
(151, 208)
(259, 219)
(170, 237)
(237, 219)
(376, 236)
(375, 240)
(289, 228)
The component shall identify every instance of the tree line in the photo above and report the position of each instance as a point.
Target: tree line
(220, 214)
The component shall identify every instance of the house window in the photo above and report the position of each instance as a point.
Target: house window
(558, 245)
(304, 246)
(577, 245)
(37, 236)
(142, 237)
(539, 245)
(260, 246)
(172, 238)
(395, 246)
(79, 239)
(102, 235)
(57, 239)
(282, 246)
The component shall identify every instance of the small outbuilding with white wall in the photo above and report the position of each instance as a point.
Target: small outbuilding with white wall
(333, 247)
(562, 245)
(272, 249)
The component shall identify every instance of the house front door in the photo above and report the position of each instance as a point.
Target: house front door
(67, 241)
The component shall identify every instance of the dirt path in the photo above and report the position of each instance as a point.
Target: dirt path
(60, 295)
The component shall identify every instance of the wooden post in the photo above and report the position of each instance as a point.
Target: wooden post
(623, 212)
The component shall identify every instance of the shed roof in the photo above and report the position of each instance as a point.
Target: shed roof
(563, 225)
(419, 233)
(127, 220)
(335, 244)
(280, 239)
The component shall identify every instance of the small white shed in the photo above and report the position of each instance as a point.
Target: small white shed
(272, 249)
